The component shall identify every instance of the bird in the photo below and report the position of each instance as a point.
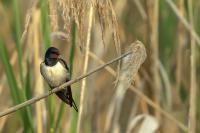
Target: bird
(55, 72)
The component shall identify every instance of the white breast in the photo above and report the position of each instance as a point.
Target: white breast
(54, 75)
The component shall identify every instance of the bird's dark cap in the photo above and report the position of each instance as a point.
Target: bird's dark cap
(52, 51)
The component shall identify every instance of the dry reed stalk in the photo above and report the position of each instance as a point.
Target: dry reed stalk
(193, 80)
(144, 107)
(130, 66)
(143, 124)
(74, 11)
(143, 104)
(115, 33)
(134, 108)
(38, 80)
(27, 20)
(108, 25)
(119, 6)
(77, 11)
(108, 17)
(153, 22)
(140, 9)
(2, 123)
(109, 69)
(181, 35)
(167, 84)
(65, 7)
(135, 123)
(103, 12)
(85, 67)
(184, 21)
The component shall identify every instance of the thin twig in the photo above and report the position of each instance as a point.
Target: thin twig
(181, 35)
(108, 68)
(184, 21)
(3, 123)
(193, 88)
(35, 99)
(140, 9)
(167, 85)
(153, 8)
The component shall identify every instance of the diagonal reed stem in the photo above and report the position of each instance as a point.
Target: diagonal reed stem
(40, 97)
(184, 21)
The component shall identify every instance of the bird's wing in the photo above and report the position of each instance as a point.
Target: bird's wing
(66, 94)
(63, 63)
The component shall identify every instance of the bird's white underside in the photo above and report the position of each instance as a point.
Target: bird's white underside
(54, 75)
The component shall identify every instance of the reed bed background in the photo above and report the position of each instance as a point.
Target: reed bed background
(162, 96)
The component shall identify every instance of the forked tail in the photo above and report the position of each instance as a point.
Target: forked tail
(74, 105)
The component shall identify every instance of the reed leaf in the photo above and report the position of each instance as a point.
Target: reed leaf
(16, 94)
(17, 29)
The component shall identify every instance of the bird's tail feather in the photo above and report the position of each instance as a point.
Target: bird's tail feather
(66, 96)
(74, 105)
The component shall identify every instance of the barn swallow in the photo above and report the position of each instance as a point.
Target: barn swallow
(56, 72)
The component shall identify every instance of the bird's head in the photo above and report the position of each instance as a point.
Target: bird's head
(51, 56)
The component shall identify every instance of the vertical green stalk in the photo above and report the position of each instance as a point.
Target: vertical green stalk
(47, 43)
(27, 95)
(72, 50)
(60, 116)
(14, 89)
(52, 113)
(28, 87)
(71, 60)
(17, 29)
(74, 117)
(197, 27)
(9, 73)
(28, 121)
(45, 23)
